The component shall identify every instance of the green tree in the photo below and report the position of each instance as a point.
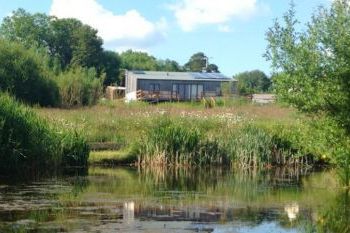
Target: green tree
(23, 74)
(312, 69)
(67, 40)
(110, 64)
(132, 60)
(30, 30)
(199, 62)
(168, 65)
(86, 46)
(251, 82)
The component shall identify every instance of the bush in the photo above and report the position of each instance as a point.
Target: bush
(29, 143)
(22, 74)
(79, 87)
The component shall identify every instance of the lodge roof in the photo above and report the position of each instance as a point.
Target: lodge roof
(183, 76)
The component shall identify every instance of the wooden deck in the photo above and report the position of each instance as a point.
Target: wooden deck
(160, 96)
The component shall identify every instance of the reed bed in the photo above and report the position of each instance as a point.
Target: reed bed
(177, 142)
(29, 143)
(239, 134)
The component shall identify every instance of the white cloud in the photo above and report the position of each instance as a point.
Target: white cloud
(192, 13)
(224, 28)
(129, 29)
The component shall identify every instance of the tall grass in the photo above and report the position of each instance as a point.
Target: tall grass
(28, 142)
(168, 143)
(175, 142)
(79, 87)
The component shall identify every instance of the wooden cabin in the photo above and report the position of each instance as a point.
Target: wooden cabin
(168, 86)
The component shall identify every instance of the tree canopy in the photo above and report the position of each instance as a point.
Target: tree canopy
(199, 62)
(69, 40)
(23, 75)
(132, 60)
(313, 66)
(251, 82)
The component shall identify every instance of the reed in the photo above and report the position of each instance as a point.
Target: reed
(29, 143)
(175, 142)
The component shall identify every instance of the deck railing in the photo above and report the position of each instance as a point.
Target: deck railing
(170, 95)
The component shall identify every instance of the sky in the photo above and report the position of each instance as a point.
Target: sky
(230, 32)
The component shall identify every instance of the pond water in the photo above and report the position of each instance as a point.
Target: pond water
(176, 200)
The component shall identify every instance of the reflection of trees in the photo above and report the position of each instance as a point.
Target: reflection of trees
(212, 179)
(337, 216)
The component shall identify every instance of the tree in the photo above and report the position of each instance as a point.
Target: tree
(199, 62)
(313, 66)
(168, 65)
(26, 28)
(251, 82)
(68, 40)
(212, 68)
(23, 75)
(132, 60)
(110, 64)
(312, 71)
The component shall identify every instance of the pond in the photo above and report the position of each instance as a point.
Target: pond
(177, 200)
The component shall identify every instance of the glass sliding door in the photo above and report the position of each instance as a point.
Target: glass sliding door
(175, 92)
(187, 91)
(194, 94)
(200, 93)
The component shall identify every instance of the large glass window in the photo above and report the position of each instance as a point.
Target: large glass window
(154, 87)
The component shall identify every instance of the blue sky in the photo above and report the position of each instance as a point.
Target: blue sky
(230, 32)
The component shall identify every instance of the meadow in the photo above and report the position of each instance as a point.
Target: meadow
(234, 132)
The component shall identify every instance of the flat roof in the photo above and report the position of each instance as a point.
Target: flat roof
(183, 76)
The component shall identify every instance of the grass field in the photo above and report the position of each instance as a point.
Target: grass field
(131, 124)
(121, 123)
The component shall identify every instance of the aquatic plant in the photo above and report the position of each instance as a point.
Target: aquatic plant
(178, 142)
(28, 142)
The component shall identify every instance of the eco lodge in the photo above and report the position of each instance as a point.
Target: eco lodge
(156, 86)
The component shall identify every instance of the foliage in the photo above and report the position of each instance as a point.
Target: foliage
(229, 89)
(313, 66)
(28, 142)
(251, 82)
(198, 62)
(173, 141)
(68, 40)
(23, 74)
(169, 143)
(86, 45)
(132, 60)
(30, 30)
(110, 64)
(168, 65)
(79, 86)
(312, 71)
(335, 218)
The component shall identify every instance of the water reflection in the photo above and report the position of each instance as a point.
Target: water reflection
(292, 211)
(177, 200)
(129, 212)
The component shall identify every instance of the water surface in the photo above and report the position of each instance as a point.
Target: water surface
(176, 200)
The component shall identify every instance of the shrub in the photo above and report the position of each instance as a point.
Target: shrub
(79, 87)
(29, 143)
(23, 75)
